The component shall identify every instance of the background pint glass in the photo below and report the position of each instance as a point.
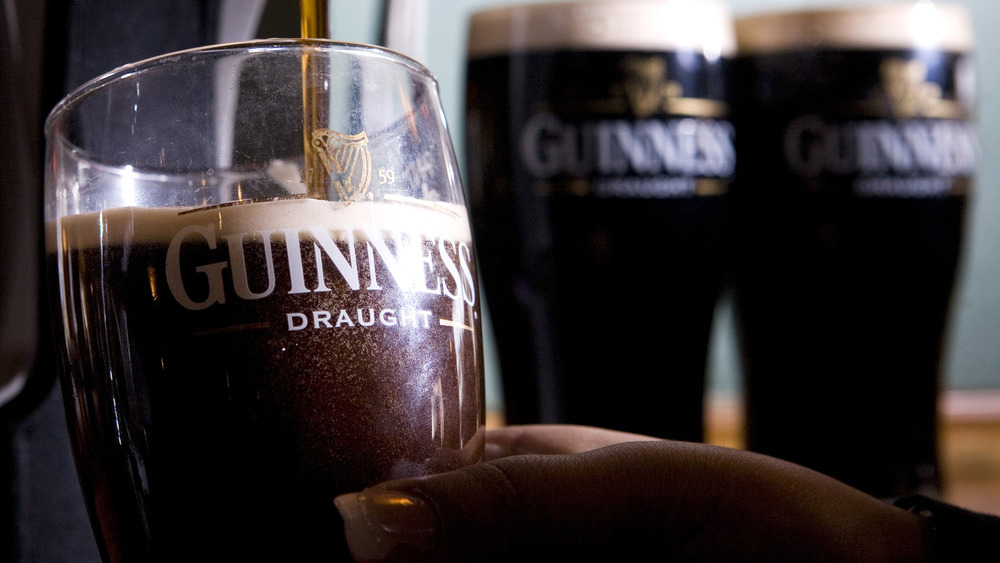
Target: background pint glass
(856, 154)
(599, 157)
(264, 295)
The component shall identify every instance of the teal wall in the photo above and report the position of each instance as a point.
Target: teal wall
(973, 359)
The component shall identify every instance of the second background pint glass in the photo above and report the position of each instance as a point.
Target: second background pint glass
(599, 158)
(856, 153)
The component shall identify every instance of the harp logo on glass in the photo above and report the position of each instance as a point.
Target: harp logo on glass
(906, 93)
(347, 160)
(648, 90)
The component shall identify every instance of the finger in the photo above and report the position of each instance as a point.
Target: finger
(552, 439)
(646, 500)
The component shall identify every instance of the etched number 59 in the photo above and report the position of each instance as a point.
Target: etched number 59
(386, 176)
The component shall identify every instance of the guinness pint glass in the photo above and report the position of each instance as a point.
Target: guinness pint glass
(599, 159)
(264, 295)
(856, 154)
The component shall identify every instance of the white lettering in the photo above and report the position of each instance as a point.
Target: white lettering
(427, 267)
(373, 284)
(238, 260)
(348, 270)
(407, 317)
(539, 146)
(388, 317)
(344, 319)
(403, 318)
(371, 317)
(927, 147)
(449, 264)
(295, 272)
(439, 267)
(212, 272)
(321, 319)
(425, 316)
(297, 321)
(681, 147)
(469, 287)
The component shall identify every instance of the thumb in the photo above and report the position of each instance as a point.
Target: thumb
(514, 508)
(637, 500)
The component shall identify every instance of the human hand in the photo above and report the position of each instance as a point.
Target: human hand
(563, 493)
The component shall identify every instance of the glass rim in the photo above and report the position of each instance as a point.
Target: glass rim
(97, 83)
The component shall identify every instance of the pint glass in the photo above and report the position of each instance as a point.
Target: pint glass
(264, 295)
(599, 157)
(856, 153)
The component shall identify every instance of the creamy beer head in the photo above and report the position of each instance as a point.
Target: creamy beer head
(160, 224)
(884, 26)
(654, 25)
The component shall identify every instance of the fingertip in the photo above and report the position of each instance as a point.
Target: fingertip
(363, 544)
(378, 523)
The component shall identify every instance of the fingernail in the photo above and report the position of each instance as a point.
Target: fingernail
(378, 522)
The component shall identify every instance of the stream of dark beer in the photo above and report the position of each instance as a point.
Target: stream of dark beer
(315, 104)
(315, 23)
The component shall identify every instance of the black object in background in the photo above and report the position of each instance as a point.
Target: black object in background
(48, 49)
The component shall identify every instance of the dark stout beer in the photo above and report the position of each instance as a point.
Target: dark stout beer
(599, 160)
(232, 369)
(855, 159)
